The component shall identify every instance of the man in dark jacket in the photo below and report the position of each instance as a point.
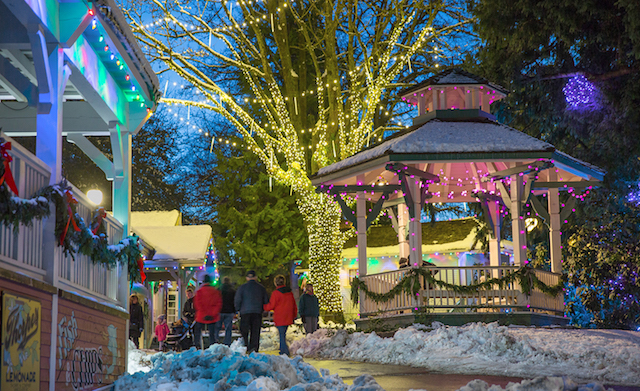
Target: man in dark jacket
(309, 309)
(250, 298)
(283, 305)
(189, 312)
(136, 320)
(208, 303)
(228, 309)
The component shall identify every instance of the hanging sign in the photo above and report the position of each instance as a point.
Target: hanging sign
(21, 322)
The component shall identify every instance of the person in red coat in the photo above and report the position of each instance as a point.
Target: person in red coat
(284, 308)
(207, 303)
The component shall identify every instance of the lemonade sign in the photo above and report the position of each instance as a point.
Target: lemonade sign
(20, 343)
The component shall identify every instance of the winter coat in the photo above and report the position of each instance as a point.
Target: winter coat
(250, 298)
(189, 312)
(283, 305)
(162, 330)
(208, 303)
(308, 305)
(228, 297)
(136, 317)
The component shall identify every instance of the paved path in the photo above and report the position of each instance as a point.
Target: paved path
(403, 378)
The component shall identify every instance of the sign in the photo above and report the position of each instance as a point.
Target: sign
(21, 318)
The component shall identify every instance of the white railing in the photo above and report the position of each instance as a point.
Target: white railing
(21, 249)
(494, 299)
(82, 274)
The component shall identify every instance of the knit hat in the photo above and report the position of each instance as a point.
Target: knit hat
(251, 273)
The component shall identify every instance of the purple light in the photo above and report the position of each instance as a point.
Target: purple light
(580, 93)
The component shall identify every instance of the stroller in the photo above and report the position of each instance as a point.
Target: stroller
(181, 336)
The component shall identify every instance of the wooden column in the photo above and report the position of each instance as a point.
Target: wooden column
(403, 220)
(468, 97)
(494, 240)
(435, 97)
(361, 212)
(415, 231)
(555, 239)
(484, 100)
(517, 223)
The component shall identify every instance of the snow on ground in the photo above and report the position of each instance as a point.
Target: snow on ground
(222, 368)
(607, 356)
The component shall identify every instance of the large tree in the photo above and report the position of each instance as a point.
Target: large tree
(321, 77)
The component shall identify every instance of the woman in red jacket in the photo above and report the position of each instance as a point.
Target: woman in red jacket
(207, 303)
(284, 308)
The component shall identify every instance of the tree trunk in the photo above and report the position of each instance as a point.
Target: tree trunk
(322, 217)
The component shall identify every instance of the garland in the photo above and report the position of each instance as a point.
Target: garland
(71, 231)
(410, 284)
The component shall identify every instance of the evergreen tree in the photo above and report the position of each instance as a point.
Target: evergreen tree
(572, 67)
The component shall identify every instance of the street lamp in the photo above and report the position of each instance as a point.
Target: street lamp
(95, 196)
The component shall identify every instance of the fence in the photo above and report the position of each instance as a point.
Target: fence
(21, 250)
(494, 299)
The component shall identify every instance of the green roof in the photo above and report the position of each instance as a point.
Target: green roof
(438, 233)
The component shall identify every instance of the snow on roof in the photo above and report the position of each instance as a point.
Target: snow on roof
(185, 242)
(156, 219)
(438, 137)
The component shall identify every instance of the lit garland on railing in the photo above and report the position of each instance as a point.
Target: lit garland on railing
(15, 211)
(411, 284)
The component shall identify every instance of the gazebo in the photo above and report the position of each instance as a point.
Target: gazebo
(457, 152)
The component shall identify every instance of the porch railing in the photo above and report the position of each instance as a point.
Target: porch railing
(496, 299)
(21, 251)
(82, 274)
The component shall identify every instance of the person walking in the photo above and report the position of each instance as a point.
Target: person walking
(228, 309)
(309, 309)
(136, 320)
(189, 312)
(208, 303)
(284, 308)
(162, 331)
(249, 301)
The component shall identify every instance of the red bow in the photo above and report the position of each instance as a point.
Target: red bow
(141, 267)
(101, 215)
(7, 176)
(70, 200)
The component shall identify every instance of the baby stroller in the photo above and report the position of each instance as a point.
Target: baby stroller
(181, 336)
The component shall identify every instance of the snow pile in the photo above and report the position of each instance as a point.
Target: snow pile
(608, 356)
(139, 361)
(537, 384)
(220, 368)
(270, 339)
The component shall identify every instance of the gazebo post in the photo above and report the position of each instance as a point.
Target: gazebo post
(494, 240)
(361, 227)
(402, 231)
(517, 223)
(555, 240)
(415, 233)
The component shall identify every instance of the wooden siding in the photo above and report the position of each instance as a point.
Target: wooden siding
(45, 326)
(91, 347)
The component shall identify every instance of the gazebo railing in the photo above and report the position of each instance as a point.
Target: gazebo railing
(438, 299)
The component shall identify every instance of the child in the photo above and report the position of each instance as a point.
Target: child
(162, 330)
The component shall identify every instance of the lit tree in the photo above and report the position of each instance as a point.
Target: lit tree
(319, 79)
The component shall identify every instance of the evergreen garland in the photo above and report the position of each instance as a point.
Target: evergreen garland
(410, 284)
(15, 211)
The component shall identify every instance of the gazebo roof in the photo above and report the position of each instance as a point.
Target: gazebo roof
(454, 76)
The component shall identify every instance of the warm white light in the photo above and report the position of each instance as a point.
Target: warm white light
(95, 196)
(531, 223)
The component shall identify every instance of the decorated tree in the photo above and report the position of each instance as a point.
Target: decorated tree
(321, 77)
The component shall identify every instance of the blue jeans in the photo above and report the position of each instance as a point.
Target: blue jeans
(227, 321)
(214, 331)
(282, 330)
